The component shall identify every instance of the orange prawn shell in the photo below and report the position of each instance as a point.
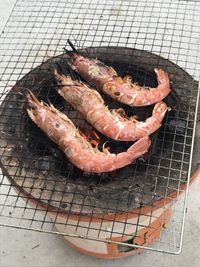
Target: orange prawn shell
(62, 131)
(112, 123)
(106, 79)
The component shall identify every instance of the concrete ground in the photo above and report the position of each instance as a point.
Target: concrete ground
(28, 248)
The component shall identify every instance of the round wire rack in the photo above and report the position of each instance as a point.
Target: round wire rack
(37, 192)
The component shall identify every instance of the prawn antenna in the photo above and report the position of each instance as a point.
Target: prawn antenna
(66, 51)
(59, 67)
(72, 46)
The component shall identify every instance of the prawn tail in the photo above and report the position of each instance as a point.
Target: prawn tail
(162, 76)
(160, 110)
(137, 150)
(140, 147)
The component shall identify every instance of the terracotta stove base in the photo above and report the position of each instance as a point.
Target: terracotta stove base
(146, 236)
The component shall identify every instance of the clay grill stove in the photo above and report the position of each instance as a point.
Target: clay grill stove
(106, 215)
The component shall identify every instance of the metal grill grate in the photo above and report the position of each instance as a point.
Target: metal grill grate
(134, 37)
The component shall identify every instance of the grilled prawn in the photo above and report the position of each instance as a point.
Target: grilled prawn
(110, 123)
(60, 129)
(121, 89)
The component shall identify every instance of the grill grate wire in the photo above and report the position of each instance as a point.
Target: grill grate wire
(35, 32)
